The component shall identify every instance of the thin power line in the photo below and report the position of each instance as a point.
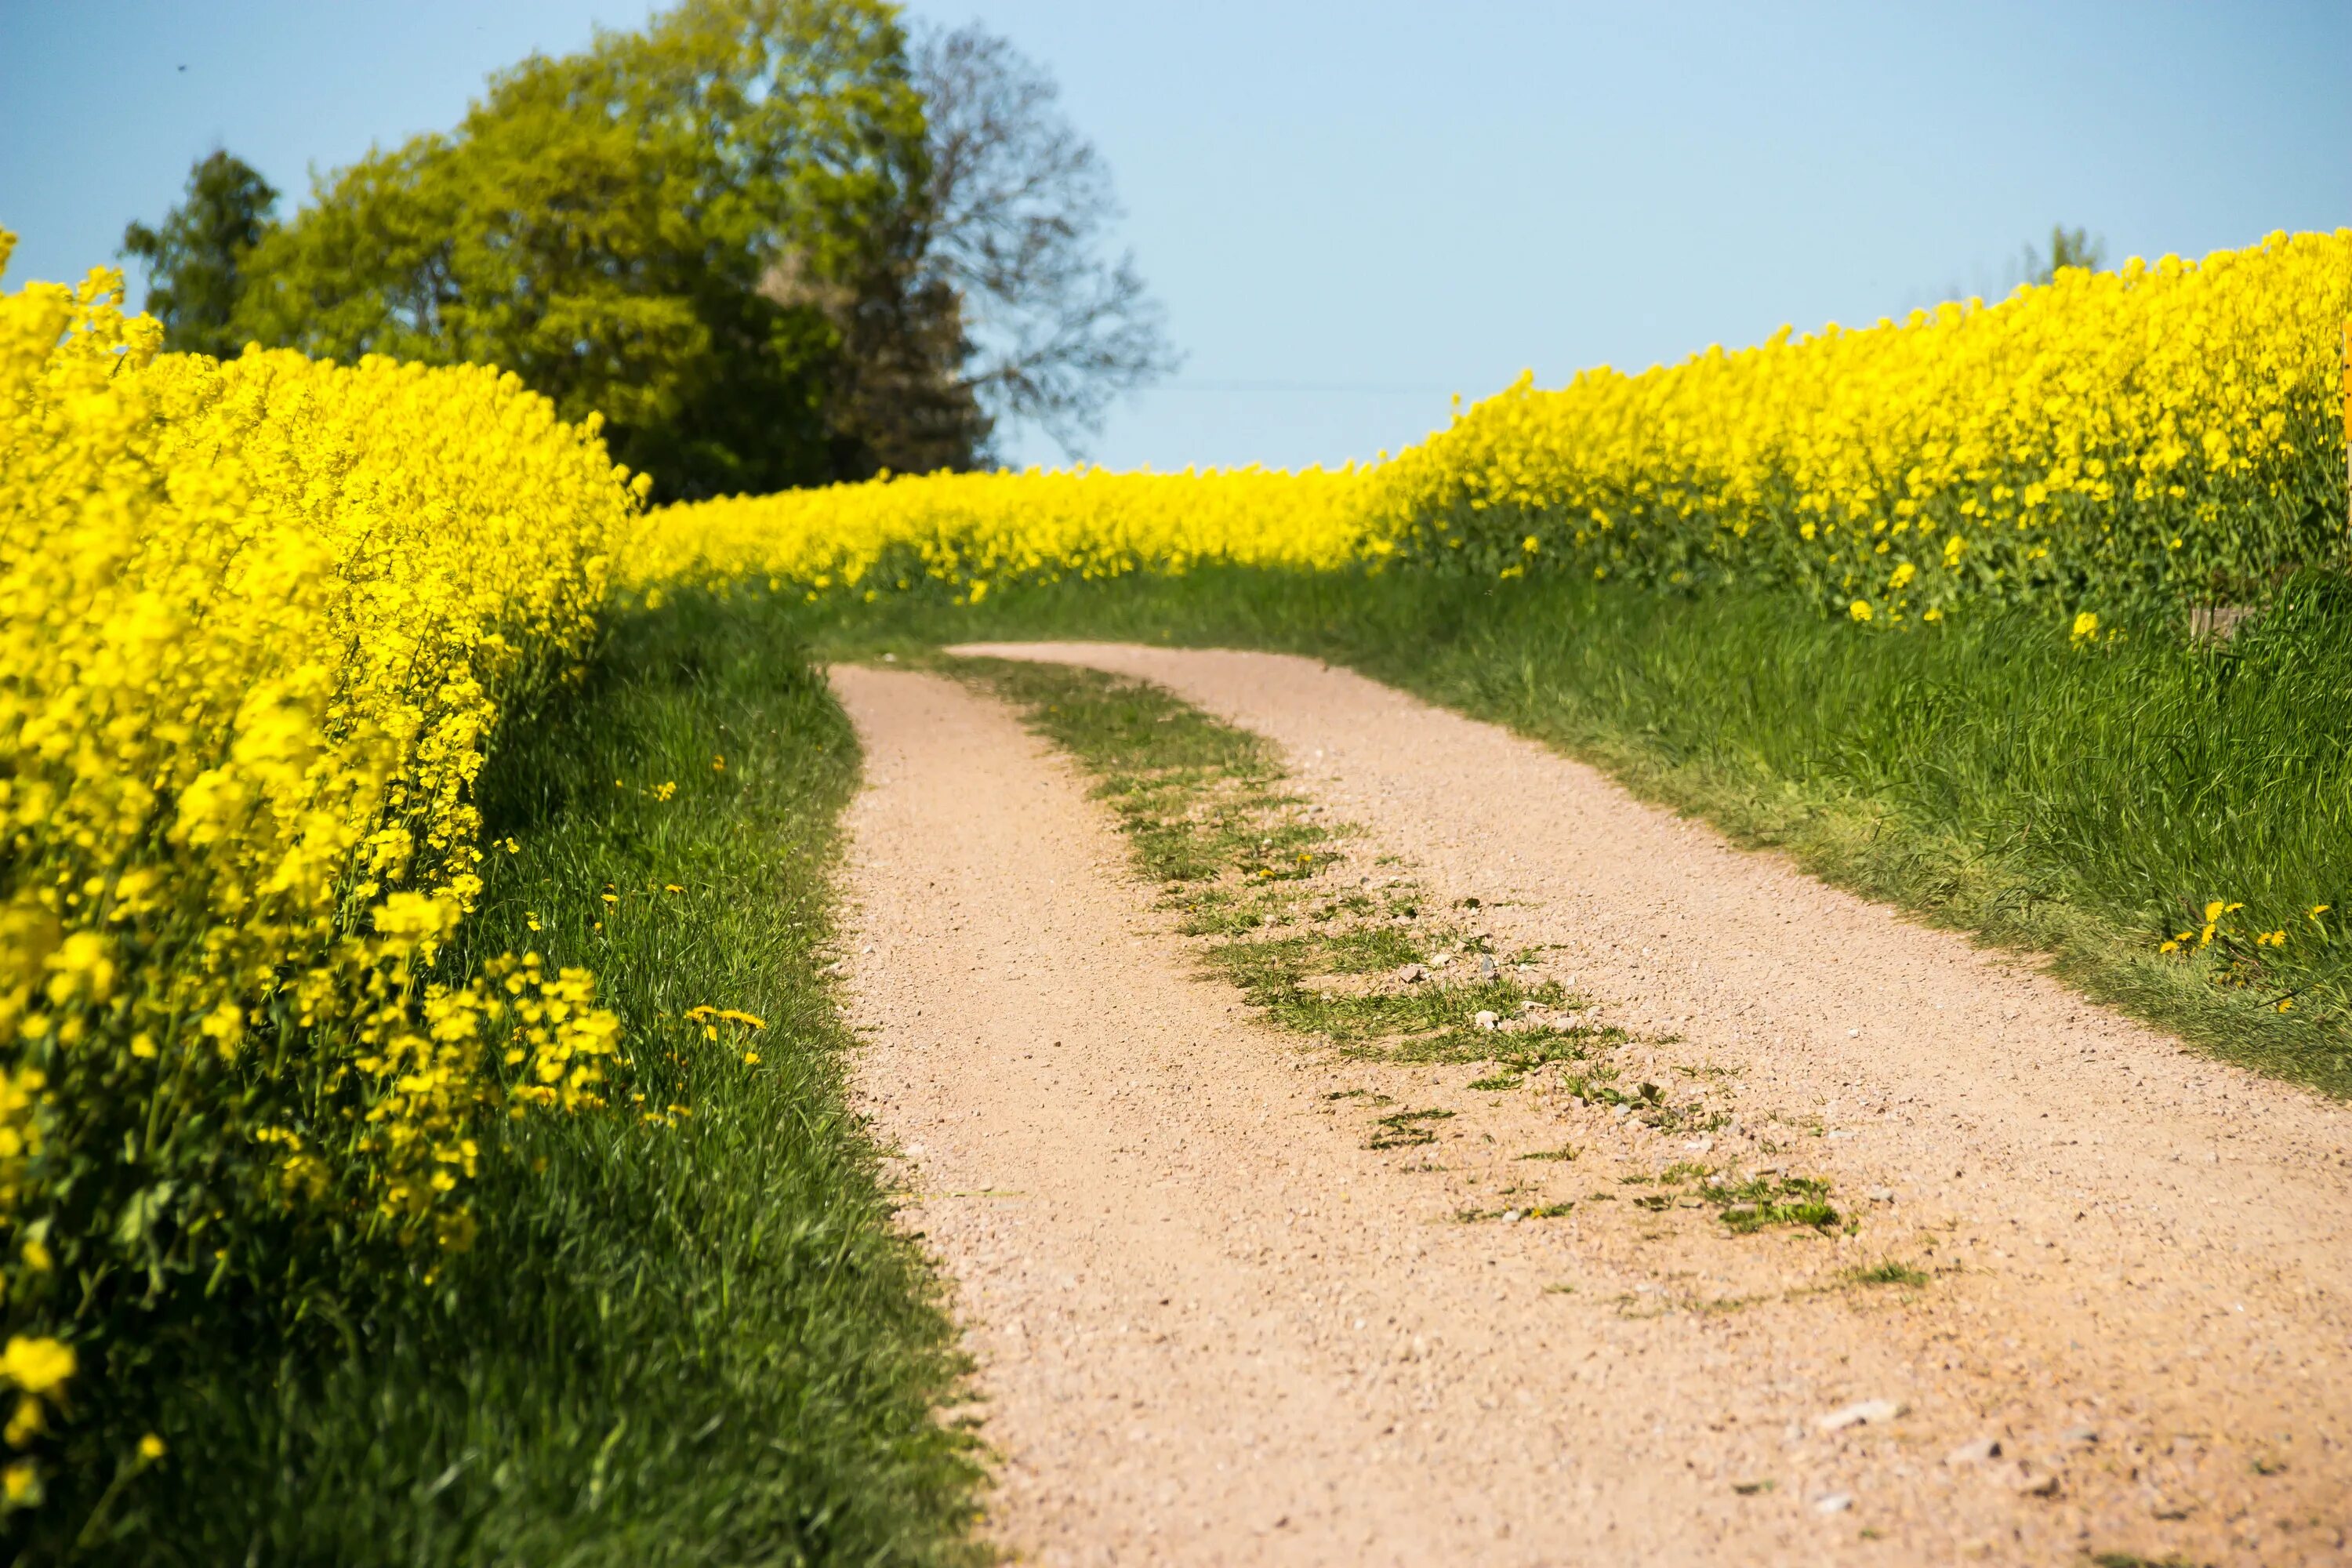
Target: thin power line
(1374, 388)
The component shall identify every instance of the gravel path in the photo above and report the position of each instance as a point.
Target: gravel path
(1214, 1326)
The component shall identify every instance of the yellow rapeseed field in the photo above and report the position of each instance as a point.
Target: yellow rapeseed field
(256, 620)
(975, 530)
(2165, 431)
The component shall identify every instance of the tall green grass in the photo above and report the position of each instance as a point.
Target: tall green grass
(687, 1340)
(2083, 800)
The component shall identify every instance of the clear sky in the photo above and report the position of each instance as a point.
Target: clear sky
(1352, 209)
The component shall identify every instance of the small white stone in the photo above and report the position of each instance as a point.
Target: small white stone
(1861, 1413)
(1836, 1502)
(1486, 1019)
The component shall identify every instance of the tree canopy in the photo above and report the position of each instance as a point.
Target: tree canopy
(765, 240)
(195, 258)
(611, 225)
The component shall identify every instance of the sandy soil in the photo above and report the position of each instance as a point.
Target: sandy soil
(1214, 1326)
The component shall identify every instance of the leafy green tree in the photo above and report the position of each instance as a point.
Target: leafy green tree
(195, 259)
(701, 230)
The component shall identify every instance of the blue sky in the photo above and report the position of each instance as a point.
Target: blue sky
(1352, 210)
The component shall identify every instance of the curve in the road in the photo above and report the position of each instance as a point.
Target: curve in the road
(1213, 1326)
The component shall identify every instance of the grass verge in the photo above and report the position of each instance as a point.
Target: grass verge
(2086, 802)
(686, 1333)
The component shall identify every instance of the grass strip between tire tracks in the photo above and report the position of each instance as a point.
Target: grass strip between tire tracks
(1355, 958)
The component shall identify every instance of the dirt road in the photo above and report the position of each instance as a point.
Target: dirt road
(1214, 1326)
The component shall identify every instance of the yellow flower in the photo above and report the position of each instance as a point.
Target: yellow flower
(150, 1448)
(2086, 626)
(20, 1484)
(706, 1014)
(37, 1365)
(1859, 609)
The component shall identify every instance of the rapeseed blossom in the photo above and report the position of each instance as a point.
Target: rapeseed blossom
(257, 620)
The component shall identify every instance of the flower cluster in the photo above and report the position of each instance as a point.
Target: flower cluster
(257, 618)
(2237, 956)
(558, 1036)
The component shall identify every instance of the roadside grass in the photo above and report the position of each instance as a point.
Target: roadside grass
(687, 1332)
(2086, 802)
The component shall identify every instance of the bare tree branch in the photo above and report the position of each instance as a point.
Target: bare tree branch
(1021, 209)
